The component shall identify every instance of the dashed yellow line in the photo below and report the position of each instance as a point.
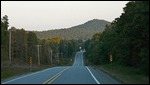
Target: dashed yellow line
(54, 77)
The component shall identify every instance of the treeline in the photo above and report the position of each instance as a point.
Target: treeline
(126, 39)
(68, 34)
(24, 44)
(62, 51)
(21, 43)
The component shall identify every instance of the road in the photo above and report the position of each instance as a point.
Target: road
(75, 74)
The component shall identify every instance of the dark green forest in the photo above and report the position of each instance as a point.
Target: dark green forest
(126, 39)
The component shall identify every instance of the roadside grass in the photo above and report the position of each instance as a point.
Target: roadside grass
(7, 72)
(16, 70)
(11, 70)
(126, 75)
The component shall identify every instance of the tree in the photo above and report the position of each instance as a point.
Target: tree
(4, 31)
(93, 50)
(32, 41)
(4, 37)
(19, 45)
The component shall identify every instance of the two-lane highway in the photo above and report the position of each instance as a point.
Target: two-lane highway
(75, 74)
(78, 61)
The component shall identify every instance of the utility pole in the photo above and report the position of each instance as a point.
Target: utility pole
(58, 57)
(38, 54)
(51, 56)
(10, 58)
(10, 46)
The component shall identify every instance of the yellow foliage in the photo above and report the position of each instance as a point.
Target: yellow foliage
(56, 40)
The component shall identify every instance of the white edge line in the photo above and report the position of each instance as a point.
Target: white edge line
(75, 60)
(26, 76)
(93, 76)
(82, 60)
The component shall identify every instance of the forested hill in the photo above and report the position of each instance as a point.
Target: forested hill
(84, 31)
(95, 25)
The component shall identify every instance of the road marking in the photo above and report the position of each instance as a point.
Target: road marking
(54, 78)
(93, 76)
(74, 59)
(82, 60)
(50, 80)
(27, 75)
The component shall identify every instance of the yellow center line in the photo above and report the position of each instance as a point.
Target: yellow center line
(54, 78)
(50, 80)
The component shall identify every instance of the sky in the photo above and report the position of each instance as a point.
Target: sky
(48, 15)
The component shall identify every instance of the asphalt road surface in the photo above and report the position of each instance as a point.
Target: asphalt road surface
(75, 74)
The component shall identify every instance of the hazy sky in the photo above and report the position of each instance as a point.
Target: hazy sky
(46, 15)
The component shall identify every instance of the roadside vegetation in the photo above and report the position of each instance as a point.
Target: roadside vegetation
(9, 71)
(24, 51)
(127, 41)
(123, 74)
(126, 75)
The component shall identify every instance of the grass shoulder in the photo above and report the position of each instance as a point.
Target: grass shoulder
(124, 74)
(8, 71)
(13, 70)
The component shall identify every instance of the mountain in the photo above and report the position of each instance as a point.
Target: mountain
(95, 25)
(83, 31)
